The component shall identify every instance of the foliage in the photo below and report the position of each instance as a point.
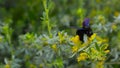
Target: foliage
(39, 34)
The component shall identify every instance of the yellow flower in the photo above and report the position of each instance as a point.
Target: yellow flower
(74, 48)
(54, 47)
(100, 64)
(7, 66)
(75, 39)
(100, 40)
(77, 43)
(105, 40)
(85, 44)
(92, 37)
(82, 57)
(107, 51)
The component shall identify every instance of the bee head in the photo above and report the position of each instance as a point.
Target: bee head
(86, 23)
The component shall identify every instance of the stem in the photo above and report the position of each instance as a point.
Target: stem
(47, 17)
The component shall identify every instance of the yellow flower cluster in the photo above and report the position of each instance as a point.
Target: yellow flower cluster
(95, 54)
(99, 55)
(100, 40)
(97, 51)
(82, 57)
(7, 66)
(74, 49)
(77, 43)
(75, 40)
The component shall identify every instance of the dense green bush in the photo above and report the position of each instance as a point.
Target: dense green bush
(39, 34)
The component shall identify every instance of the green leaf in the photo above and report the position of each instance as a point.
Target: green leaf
(97, 47)
(104, 46)
(58, 62)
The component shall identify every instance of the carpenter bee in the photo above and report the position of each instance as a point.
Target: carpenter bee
(86, 29)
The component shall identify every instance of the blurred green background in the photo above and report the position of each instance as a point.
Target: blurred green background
(19, 17)
(25, 16)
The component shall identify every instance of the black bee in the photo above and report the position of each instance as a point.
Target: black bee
(84, 30)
